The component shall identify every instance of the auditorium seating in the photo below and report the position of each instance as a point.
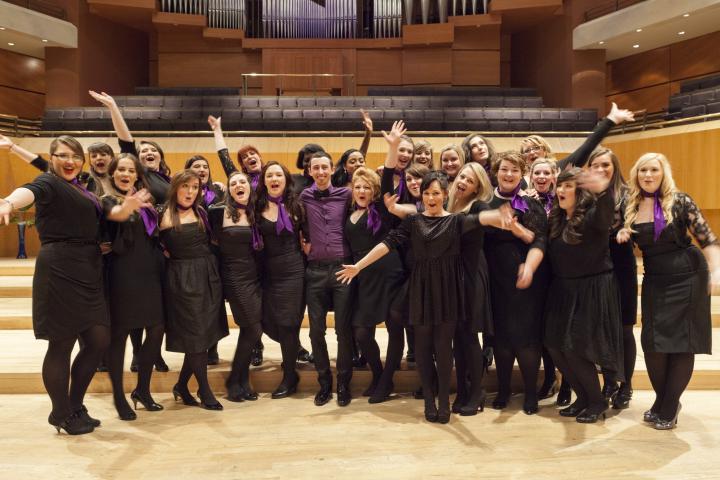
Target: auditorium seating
(699, 96)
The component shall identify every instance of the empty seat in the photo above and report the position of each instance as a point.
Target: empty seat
(135, 101)
(248, 102)
(520, 125)
(154, 101)
(713, 107)
(677, 102)
(690, 85)
(93, 113)
(475, 102)
(229, 102)
(364, 102)
(402, 102)
(53, 113)
(252, 113)
(689, 111)
(413, 114)
(494, 102)
(172, 102)
(567, 114)
(588, 115)
(382, 102)
(563, 125)
(531, 114)
(512, 114)
(325, 102)
(702, 97)
(709, 82)
(212, 102)
(550, 114)
(267, 102)
(312, 114)
(513, 102)
(306, 101)
(73, 113)
(344, 102)
(420, 102)
(151, 113)
(191, 102)
(585, 125)
(292, 113)
(474, 113)
(170, 113)
(454, 114)
(287, 102)
(494, 113)
(191, 114)
(532, 102)
(540, 125)
(333, 113)
(499, 125)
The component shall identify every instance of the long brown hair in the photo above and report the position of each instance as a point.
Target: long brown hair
(292, 205)
(140, 183)
(163, 166)
(584, 200)
(171, 205)
(617, 182)
(231, 206)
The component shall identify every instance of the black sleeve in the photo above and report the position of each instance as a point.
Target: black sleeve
(400, 235)
(119, 234)
(601, 215)
(386, 181)
(41, 164)
(216, 214)
(128, 147)
(226, 162)
(698, 226)
(579, 157)
(42, 188)
(535, 219)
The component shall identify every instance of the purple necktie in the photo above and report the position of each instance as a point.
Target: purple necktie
(257, 241)
(658, 216)
(547, 198)
(254, 179)
(208, 195)
(401, 184)
(374, 222)
(150, 219)
(283, 220)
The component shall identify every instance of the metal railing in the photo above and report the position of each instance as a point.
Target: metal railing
(314, 77)
(608, 8)
(15, 126)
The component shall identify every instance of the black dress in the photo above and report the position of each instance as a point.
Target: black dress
(135, 270)
(625, 268)
(675, 297)
(478, 310)
(193, 291)
(379, 284)
(239, 269)
(583, 304)
(517, 314)
(68, 295)
(436, 290)
(283, 277)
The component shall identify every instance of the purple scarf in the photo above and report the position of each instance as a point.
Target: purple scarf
(658, 216)
(150, 220)
(401, 185)
(257, 241)
(517, 202)
(547, 199)
(374, 222)
(254, 180)
(283, 220)
(87, 194)
(208, 194)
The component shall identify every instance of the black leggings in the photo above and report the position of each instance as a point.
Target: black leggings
(365, 336)
(147, 354)
(469, 365)
(583, 378)
(440, 338)
(289, 339)
(57, 373)
(247, 340)
(629, 354)
(528, 359)
(669, 374)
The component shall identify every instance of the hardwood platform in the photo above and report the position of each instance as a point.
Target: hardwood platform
(291, 438)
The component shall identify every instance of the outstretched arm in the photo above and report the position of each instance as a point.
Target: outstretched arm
(221, 146)
(399, 210)
(393, 139)
(528, 269)
(121, 128)
(26, 155)
(348, 272)
(368, 123)
(132, 203)
(19, 198)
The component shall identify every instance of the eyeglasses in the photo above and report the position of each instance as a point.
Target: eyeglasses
(66, 156)
(533, 149)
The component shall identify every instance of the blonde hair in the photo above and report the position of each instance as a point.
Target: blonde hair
(537, 141)
(485, 189)
(454, 148)
(541, 161)
(367, 175)
(667, 189)
(424, 146)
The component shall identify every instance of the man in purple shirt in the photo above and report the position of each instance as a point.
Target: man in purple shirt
(326, 209)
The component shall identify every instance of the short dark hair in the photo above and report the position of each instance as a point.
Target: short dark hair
(309, 148)
(434, 176)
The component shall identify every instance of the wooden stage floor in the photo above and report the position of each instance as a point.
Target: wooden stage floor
(292, 438)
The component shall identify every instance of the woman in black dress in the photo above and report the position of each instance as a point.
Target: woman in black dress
(68, 298)
(517, 282)
(193, 290)
(377, 286)
(240, 242)
(582, 308)
(675, 294)
(279, 217)
(605, 162)
(437, 295)
(469, 194)
(135, 270)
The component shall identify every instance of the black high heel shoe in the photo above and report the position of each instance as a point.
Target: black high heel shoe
(73, 425)
(472, 407)
(248, 393)
(256, 356)
(501, 401)
(443, 415)
(661, 424)
(381, 396)
(285, 389)
(459, 402)
(564, 395)
(124, 411)
(623, 397)
(547, 389)
(82, 412)
(146, 401)
(217, 406)
(592, 414)
(185, 395)
(160, 365)
(609, 391)
(530, 406)
(650, 417)
(573, 410)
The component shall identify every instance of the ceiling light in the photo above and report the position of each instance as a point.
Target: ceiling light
(44, 40)
(636, 46)
(681, 33)
(639, 30)
(11, 44)
(686, 15)
(2, 28)
(602, 42)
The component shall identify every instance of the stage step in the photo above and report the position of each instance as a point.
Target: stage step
(21, 359)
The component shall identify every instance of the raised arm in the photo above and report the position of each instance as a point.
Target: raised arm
(368, 124)
(501, 217)
(27, 156)
(399, 210)
(19, 198)
(348, 272)
(579, 157)
(121, 128)
(393, 139)
(220, 145)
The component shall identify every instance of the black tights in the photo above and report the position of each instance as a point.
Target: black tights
(146, 354)
(58, 374)
(629, 354)
(289, 339)
(440, 337)
(136, 335)
(247, 340)
(365, 336)
(528, 359)
(548, 366)
(469, 364)
(669, 374)
(583, 378)
(196, 364)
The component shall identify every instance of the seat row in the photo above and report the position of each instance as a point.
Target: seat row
(453, 91)
(700, 83)
(324, 102)
(202, 91)
(699, 102)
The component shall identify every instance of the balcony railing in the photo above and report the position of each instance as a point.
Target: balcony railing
(608, 8)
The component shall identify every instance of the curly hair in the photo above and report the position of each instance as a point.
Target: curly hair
(371, 178)
(667, 189)
(560, 225)
(511, 156)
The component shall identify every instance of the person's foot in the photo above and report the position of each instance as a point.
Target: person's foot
(324, 395)
(564, 396)
(287, 387)
(548, 388)
(501, 400)
(359, 362)
(160, 365)
(304, 356)
(343, 395)
(623, 397)
(213, 356)
(123, 409)
(256, 357)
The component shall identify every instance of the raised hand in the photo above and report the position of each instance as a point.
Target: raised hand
(623, 235)
(214, 123)
(390, 202)
(524, 278)
(619, 116)
(347, 273)
(398, 130)
(6, 209)
(507, 216)
(593, 181)
(532, 193)
(135, 201)
(5, 143)
(103, 98)
(367, 121)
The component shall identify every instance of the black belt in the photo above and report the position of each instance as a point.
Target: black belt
(329, 263)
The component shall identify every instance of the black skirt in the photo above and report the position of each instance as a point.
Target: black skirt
(68, 295)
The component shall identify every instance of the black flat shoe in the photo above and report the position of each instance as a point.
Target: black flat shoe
(592, 414)
(609, 391)
(431, 412)
(234, 392)
(248, 393)
(443, 415)
(458, 403)
(161, 366)
(472, 407)
(548, 389)
(343, 395)
(185, 395)
(564, 396)
(530, 406)
(213, 358)
(623, 397)
(304, 356)
(381, 396)
(124, 411)
(146, 401)
(73, 425)
(370, 390)
(573, 410)
(359, 362)
(286, 388)
(82, 412)
(324, 395)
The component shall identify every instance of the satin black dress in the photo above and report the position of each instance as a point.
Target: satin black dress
(582, 313)
(675, 299)
(239, 269)
(68, 296)
(196, 317)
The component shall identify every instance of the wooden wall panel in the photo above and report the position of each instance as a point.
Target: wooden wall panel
(695, 57)
(421, 66)
(379, 67)
(477, 38)
(305, 61)
(21, 71)
(21, 103)
(205, 69)
(192, 41)
(431, 34)
(638, 71)
(475, 67)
